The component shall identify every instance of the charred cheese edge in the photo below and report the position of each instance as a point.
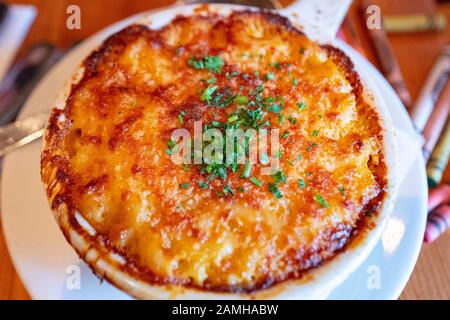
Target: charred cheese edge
(106, 153)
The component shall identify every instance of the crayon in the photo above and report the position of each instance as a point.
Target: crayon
(431, 89)
(388, 62)
(351, 36)
(438, 196)
(436, 122)
(414, 23)
(438, 223)
(439, 158)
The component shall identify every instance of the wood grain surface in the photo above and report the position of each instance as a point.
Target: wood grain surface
(415, 53)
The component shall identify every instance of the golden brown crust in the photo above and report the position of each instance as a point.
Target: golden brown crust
(104, 155)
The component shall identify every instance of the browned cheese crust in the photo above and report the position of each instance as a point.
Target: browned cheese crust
(107, 155)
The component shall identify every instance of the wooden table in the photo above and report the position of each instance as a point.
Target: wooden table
(415, 52)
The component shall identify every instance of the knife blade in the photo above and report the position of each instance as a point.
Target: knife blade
(22, 132)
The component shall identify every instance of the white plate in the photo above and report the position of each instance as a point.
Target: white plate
(45, 262)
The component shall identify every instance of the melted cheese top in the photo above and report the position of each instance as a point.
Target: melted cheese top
(114, 169)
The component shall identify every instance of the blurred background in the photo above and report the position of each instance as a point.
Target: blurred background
(406, 51)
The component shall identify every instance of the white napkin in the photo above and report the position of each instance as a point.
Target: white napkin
(12, 33)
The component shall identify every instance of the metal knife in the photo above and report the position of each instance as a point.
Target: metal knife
(22, 132)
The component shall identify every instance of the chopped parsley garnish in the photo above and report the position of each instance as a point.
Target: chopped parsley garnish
(301, 183)
(279, 154)
(207, 94)
(170, 145)
(180, 117)
(279, 177)
(273, 188)
(211, 63)
(292, 120)
(320, 200)
(270, 76)
(295, 82)
(216, 171)
(301, 105)
(311, 146)
(246, 170)
(342, 191)
(256, 182)
(285, 134)
(274, 108)
(253, 118)
(241, 99)
(232, 119)
(203, 185)
(276, 65)
(184, 185)
(227, 190)
(315, 133)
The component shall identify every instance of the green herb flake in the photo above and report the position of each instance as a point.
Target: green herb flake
(292, 120)
(203, 185)
(320, 200)
(270, 76)
(301, 105)
(295, 82)
(279, 177)
(301, 183)
(311, 146)
(180, 117)
(170, 145)
(227, 190)
(274, 108)
(315, 133)
(232, 119)
(285, 134)
(246, 170)
(276, 65)
(256, 182)
(207, 94)
(273, 188)
(211, 63)
(279, 154)
(184, 185)
(342, 191)
(241, 99)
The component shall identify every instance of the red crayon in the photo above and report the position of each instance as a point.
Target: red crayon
(437, 223)
(438, 196)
